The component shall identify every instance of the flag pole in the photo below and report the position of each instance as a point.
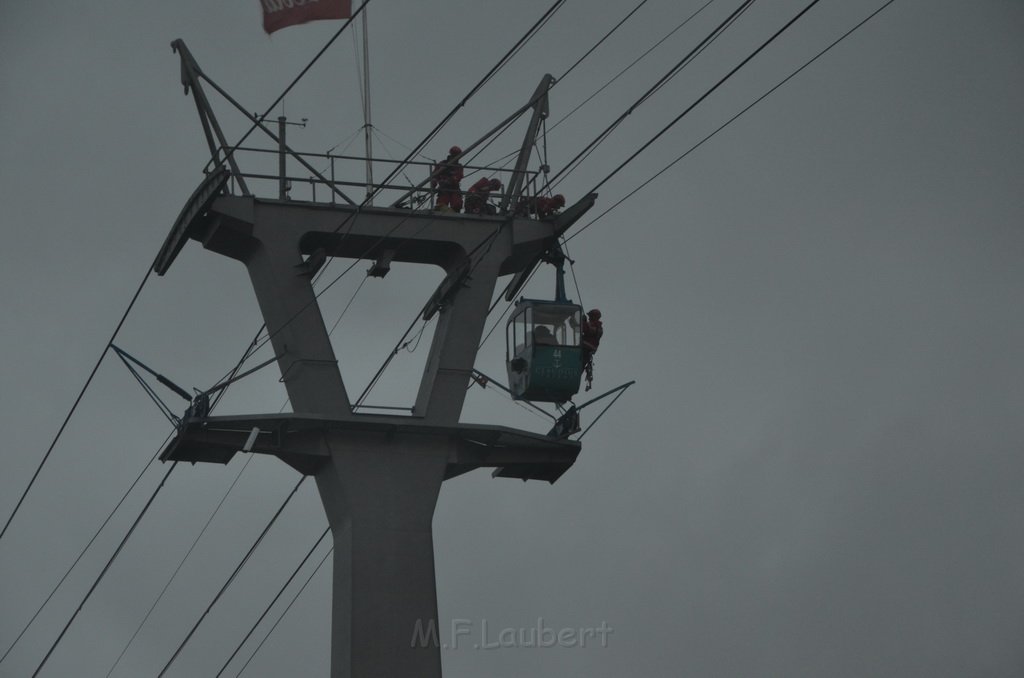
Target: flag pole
(367, 120)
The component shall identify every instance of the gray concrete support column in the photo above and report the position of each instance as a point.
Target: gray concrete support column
(379, 492)
(309, 368)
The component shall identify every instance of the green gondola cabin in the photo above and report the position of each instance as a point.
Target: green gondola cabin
(544, 358)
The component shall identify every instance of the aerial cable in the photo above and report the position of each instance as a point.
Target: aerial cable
(349, 304)
(270, 605)
(483, 81)
(104, 571)
(78, 399)
(599, 42)
(706, 94)
(82, 553)
(671, 73)
(387, 361)
(633, 63)
(572, 270)
(177, 569)
(124, 540)
(231, 578)
(730, 120)
(286, 609)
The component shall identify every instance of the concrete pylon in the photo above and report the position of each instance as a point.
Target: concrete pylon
(379, 476)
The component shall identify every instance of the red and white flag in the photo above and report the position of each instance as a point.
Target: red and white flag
(278, 14)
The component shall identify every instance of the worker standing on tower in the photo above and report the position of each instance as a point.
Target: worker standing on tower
(592, 331)
(446, 177)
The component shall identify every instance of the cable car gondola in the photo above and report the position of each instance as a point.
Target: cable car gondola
(543, 353)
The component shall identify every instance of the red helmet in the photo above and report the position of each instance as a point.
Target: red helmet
(559, 200)
(495, 184)
(454, 150)
(594, 314)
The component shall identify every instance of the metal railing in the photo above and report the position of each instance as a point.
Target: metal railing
(261, 170)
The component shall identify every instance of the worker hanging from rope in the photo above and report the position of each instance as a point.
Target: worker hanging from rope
(592, 329)
(445, 178)
(478, 195)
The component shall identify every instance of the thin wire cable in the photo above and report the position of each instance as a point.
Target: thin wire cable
(270, 605)
(730, 120)
(177, 569)
(606, 36)
(708, 93)
(81, 553)
(78, 399)
(231, 578)
(104, 571)
(285, 612)
(483, 81)
(631, 65)
(124, 540)
(661, 82)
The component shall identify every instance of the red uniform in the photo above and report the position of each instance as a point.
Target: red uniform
(478, 194)
(541, 206)
(592, 329)
(446, 178)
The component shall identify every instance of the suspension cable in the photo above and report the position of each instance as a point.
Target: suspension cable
(177, 569)
(707, 93)
(231, 578)
(286, 609)
(606, 36)
(633, 63)
(270, 605)
(81, 553)
(653, 89)
(78, 399)
(124, 540)
(732, 119)
(104, 571)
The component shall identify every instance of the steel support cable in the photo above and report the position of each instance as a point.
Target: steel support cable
(285, 611)
(231, 578)
(110, 515)
(160, 404)
(606, 36)
(177, 569)
(82, 553)
(731, 120)
(78, 399)
(633, 63)
(103, 572)
(270, 605)
(661, 82)
(708, 93)
(476, 88)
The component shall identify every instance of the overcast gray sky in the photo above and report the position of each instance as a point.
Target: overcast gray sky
(820, 470)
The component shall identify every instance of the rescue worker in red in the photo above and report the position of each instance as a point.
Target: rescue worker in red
(478, 195)
(445, 178)
(546, 207)
(592, 329)
(541, 206)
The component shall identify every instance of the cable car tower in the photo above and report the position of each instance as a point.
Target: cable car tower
(378, 475)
